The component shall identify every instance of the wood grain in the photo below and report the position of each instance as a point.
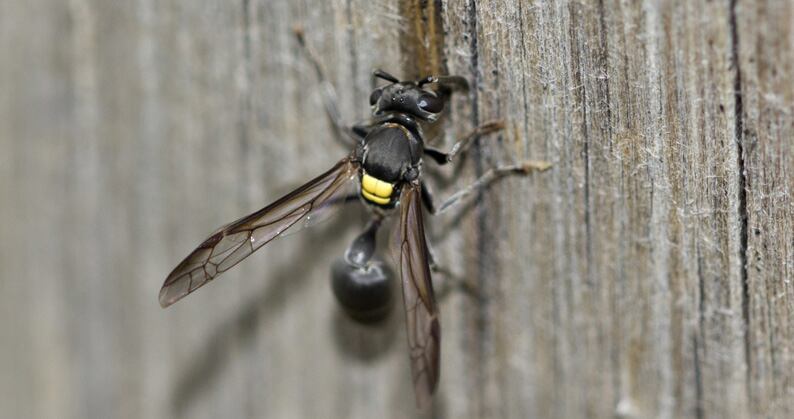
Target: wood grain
(647, 274)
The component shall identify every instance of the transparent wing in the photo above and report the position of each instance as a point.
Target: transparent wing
(421, 314)
(234, 242)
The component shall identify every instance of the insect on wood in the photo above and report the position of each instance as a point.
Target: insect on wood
(384, 172)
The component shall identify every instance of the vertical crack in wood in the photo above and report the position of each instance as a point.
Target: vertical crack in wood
(422, 43)
(604, 64)
(699, 337)
(481, 215)
(422, 46)
(614, 349)
(524, 84)
(698, 379)
(580, 85)
(739, 137)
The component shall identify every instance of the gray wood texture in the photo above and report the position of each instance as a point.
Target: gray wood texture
(648, 274)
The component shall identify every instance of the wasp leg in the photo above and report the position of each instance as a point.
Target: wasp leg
(451, 280)
(427, 198)
(342, 133)
(483, 182)
(491, 176)
(462, 145)
(363, 129)
(455, 283)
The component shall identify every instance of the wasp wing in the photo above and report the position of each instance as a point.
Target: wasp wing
(234, 242)
(421, 314)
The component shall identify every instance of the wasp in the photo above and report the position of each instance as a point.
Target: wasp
(384, 172)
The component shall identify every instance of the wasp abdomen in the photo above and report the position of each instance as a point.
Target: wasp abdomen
(376, 190)
(365, 293)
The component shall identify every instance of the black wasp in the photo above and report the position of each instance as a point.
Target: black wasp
(384, 171)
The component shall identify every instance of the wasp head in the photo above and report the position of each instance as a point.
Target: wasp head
(406, 97)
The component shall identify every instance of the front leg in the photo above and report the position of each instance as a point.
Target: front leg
(451, 281)
(343, 134)
(462, 145)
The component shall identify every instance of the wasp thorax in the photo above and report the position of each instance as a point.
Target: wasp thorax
(391, 148)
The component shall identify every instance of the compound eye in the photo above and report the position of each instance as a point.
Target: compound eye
(430, 103)
(373, 98)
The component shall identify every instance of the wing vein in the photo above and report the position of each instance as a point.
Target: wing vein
(237, 240)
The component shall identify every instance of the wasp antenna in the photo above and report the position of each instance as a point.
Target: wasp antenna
(385, 76)
(453, 83)
(427, 80)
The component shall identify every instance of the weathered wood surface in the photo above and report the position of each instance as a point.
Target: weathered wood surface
(648, 274)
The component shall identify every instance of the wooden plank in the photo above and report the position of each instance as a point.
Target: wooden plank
(766, 63)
